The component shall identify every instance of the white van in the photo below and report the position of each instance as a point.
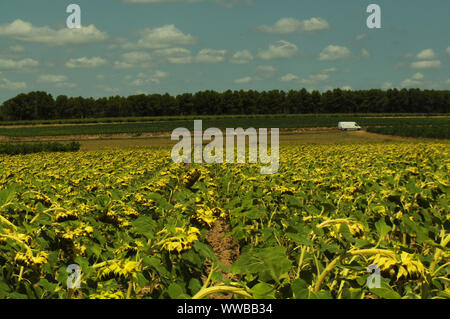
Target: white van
(348, 126)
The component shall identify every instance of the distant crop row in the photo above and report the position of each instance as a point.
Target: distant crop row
(28, 148)
(426, 131)
(191, 117)
(283, 122)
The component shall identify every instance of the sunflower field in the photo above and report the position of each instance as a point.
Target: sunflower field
(137, 225)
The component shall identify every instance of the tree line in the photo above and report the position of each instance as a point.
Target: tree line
(42, 106)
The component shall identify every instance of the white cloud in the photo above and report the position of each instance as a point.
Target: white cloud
(387, 85)
(59, 81)
(432, 64)
(279, 50)
(318, 77)
(9, 85)
(312, 79)
(17, 48)
(9, 64)
(175, 55)
(365, 54)
(246, 79)
(291, 25)
(163, 37)
(265, 71)
(427, 54)
(25, 31)
(329, 70)
(346, 88)
(334, 53)
(242, 57)
(448, 50)
(210, 56)
(148, 79)
(134, 59)
(413, 81)
(51, 78)
(289, 78)
(85, 62)
(417, 76)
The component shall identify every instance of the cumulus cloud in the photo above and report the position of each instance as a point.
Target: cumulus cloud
(334, 53)
(291, 25)
(432, 64)
(85, 62)
(346, 88)
(167, 36)
(279, 50)
(265, 71)
(210, 56)
(246, 79)
(289, 78)
(59, 81)
(387, 85)
(25, 31)
(10, 85)
(413, 81)
(329, 70)
(17, 48)
(242, 57)
(311, 79)
(134, 59)
(365, 54)
(144, 79)
(175, 55)
(9, 64)
(361, 36)
(427, 54)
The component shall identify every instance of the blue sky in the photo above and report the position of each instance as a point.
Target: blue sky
(177, 46)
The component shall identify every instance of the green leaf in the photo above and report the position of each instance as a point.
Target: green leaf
(263, 291)
(194, 286)
(293, 201)
(16, 295)
(300, 289)
(141, 280)
(175, 291)
(255, 213)
(382, 228)
(50, 287)
(205, 251)
(385, 291)
(269, 263)
(144, 225)
(155, 263)
(345, 232)
(320, 295)
(300, 239)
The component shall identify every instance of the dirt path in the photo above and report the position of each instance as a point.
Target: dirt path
(225, 248)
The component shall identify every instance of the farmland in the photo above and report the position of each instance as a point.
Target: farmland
(435, 127)
(141, 226)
